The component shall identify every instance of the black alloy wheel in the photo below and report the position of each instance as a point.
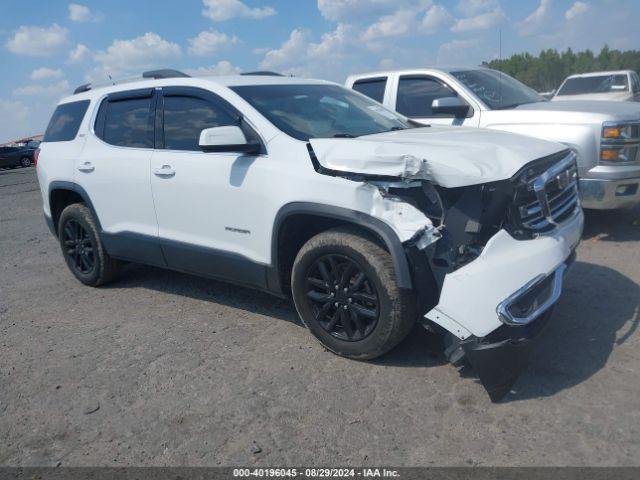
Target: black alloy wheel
(344, 301)
(79, 247)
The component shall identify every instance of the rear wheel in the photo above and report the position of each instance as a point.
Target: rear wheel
(25, 162)
(344, 288)
(82, 248)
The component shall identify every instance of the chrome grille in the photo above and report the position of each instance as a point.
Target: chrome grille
(556, 196)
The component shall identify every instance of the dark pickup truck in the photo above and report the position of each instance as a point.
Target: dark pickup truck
(21, 156)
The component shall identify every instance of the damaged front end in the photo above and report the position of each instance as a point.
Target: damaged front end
(487, 257)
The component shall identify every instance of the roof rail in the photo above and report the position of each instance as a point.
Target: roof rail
(265, 73)
(151, 74)
(164, 73)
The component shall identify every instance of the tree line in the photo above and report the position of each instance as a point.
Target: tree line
(546, 71)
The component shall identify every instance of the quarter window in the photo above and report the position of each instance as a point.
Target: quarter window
(65, 122)
(185, 117)
(416, 94)
(126, 122)
(372, 88)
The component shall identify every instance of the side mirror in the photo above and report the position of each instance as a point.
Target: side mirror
(450, 106)
(226, 139)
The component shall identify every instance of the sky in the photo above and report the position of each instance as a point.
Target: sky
(47, 48)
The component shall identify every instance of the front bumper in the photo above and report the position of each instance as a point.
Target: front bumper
(604, 194)
(511, 287)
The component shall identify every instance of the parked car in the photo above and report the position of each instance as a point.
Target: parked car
(604, 135)
(308, 189)
(18, 156)
(619, 86)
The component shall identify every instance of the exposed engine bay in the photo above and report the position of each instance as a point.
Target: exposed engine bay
(524, 243)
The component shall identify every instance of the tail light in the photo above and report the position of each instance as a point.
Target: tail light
(36, 154)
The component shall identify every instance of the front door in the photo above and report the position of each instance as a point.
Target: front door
(415, 94)
(207, 221)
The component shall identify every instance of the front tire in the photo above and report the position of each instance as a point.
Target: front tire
(345, 291)
(82, 248)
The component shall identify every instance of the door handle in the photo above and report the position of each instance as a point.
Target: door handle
(164, 171)
(86, 167)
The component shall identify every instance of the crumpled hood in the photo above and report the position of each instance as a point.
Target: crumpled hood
(448, 156)
(621, 110)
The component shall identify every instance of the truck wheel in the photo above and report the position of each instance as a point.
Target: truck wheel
(25, 162)
(345, 291)
(82, 249)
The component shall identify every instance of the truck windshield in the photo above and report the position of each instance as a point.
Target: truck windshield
(320, 111)
(595, 84)
(497, 90)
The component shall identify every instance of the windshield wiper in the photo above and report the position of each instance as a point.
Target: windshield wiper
(343, 135)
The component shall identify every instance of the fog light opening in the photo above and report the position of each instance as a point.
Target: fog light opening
(626, 190)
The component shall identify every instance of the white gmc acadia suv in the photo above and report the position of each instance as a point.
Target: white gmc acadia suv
(306, 188)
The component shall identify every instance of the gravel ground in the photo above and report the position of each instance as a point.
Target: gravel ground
(162, 368)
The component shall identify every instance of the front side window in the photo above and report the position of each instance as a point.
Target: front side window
(497, 90)
(416, 95)
(65, 122)
(320, 111)
(372, 88)
(595, 84)
(126, 122)
(185, 117)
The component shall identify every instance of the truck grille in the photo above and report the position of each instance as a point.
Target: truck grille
(553, 196)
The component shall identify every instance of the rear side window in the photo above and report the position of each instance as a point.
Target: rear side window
(372, 88)
(416, 94)
(185, 117)
(126, 122)
(65, 122)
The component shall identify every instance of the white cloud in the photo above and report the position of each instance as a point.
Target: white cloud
(536, 20)
(437, 17)
(474, 7)
(127, 56)
(291, 50)
(81, 13)
(297, 55)
(221, 10)
(223, 67)
(14, 121)
(209, 42)
(45, 73)
(577, 9)
(396, 24)
(78, 54)
(464, 52)
(37, 41)
(53, 90)
(482, 21)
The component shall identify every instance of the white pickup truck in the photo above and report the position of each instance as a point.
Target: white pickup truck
(618, 86)
(604, 135)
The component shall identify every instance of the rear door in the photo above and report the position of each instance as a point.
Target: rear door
(415, 94)
(114, 170)
(207, 220)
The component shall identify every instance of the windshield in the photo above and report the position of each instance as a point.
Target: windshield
(320, 111)
(497, 90)
(596, 84)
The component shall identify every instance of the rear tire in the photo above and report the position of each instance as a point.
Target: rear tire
(345, 291)
(82, 248)
(25, 162)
